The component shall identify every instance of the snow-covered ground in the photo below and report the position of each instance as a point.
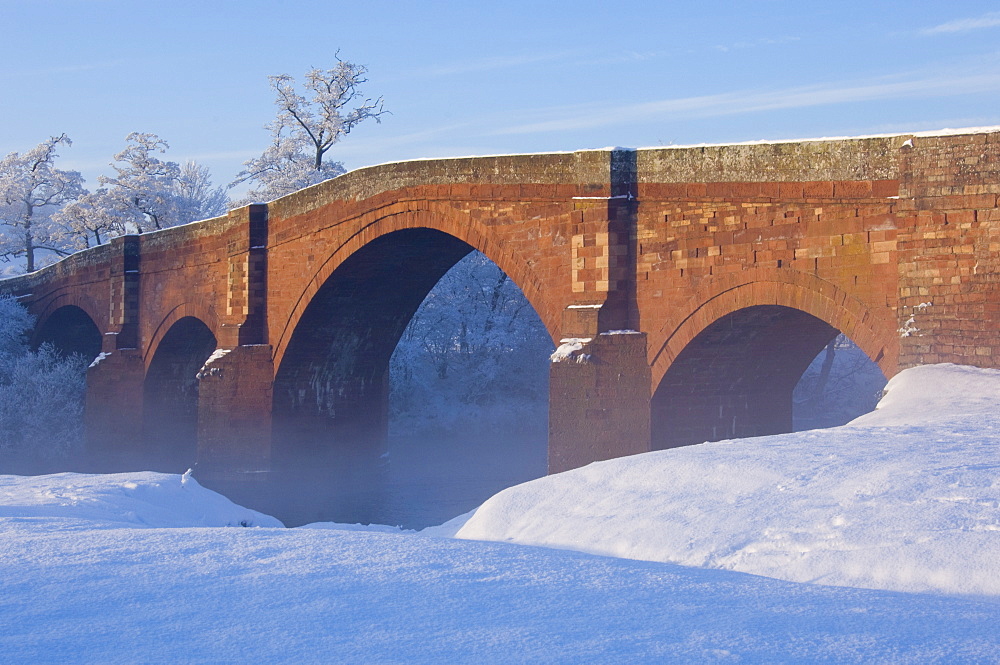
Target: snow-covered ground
(905, 502)
(905, 498)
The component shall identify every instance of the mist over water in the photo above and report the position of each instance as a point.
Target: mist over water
(468, 409)
(421, 482)
(431, 481)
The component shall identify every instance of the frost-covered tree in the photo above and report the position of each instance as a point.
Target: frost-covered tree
(197, 197)
(142, 189)
(91, 220)
(840, 384)
(31, 190)
(306, 128)
(147, 193)
(41, 399)
(475, 355)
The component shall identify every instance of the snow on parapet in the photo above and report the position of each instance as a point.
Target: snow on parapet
(960, 131)
(622, 332)
(570, 350)
(207, 369)
(926, 133)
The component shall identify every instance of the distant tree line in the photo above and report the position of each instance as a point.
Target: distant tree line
(46, 212)
(839, 385)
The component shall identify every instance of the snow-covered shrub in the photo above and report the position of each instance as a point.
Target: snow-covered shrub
(473, 359)
(41, 398)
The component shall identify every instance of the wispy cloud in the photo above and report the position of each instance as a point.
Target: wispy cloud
(498, 62)
(437, 140)
(64, 69)
(988, 20)
(750, 101)
(623, 57)
(763, 41)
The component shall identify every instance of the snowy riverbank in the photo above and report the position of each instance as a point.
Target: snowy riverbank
(906, 498)
(152, 567)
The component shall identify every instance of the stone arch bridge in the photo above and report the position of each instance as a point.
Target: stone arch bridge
(694, 284)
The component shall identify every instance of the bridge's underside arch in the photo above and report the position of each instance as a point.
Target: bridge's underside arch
(459, 226)
(71, 330)
(729, 368)
(170, 395)
(330, 391)
(197, 310)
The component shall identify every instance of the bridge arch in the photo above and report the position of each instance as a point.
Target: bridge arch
(69, 324)
(448, 221)
(728, 368)
(170, 392)
(331, 388)
(199, 309)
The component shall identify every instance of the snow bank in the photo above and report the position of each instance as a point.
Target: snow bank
(142, 499)
(903, 498)
(938, 394)
(906, 498)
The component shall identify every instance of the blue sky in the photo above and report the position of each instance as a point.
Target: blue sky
(462, 78)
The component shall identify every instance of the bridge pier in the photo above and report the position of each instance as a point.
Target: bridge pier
(113, 411)
(599, 397)
(234, 410)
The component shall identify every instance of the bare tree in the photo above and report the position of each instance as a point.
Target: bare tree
(41, 398)
(475, 340)
(31, 190)
(839, 385)
(305, 129)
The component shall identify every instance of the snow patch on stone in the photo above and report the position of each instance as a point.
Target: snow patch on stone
(207, 369)
(569, 350)
(100, 358)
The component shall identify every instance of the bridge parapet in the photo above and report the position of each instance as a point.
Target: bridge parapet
(819, 160)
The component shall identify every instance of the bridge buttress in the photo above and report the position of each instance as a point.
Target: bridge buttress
(123, 282)
(599, 393)
(244, 317)
(235, 386)
(599, 396)
(113, 405)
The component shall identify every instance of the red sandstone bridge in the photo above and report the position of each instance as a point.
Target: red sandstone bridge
(732, 265)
